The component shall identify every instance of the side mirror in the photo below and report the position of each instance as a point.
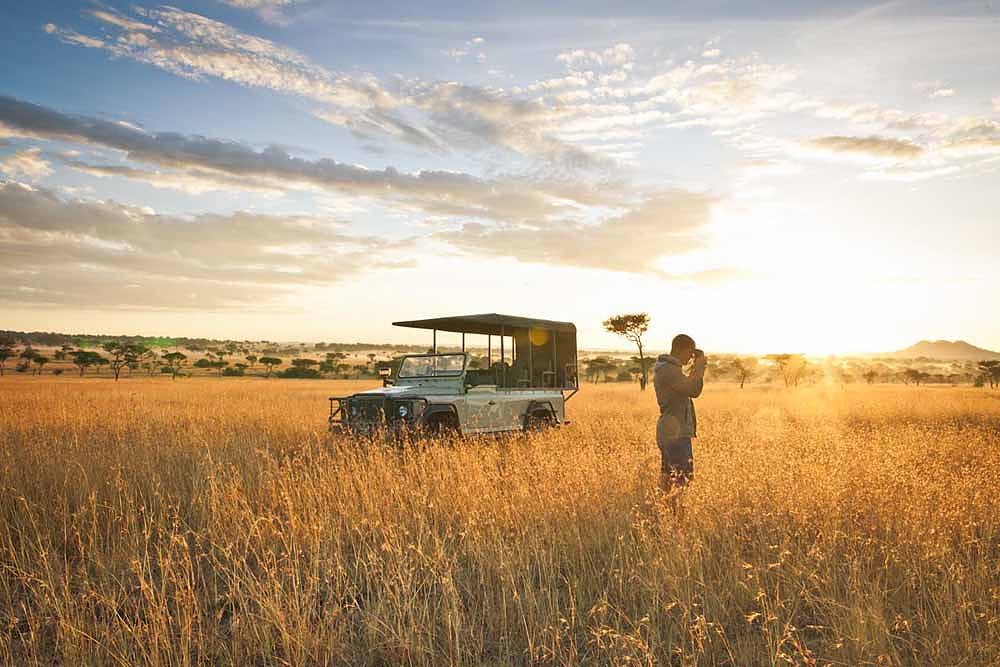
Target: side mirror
(386, 374)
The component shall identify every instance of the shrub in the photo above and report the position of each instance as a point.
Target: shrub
(299, 372)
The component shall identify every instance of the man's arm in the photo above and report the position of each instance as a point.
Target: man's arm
(690, 385)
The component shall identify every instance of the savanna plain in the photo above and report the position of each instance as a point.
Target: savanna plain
(213, 521)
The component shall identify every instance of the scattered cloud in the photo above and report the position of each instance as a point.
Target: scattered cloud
(191, 181)
(72, 252)
(68, 36)
(617, 55)
(669, 223)
(269, 11)
(470, 47)
(878, 148)
(711, 53)
(26, 163)
(224, 162)
(123, 22)
(196, 47)
(934, 89)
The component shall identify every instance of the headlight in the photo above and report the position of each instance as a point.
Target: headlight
(403, 411)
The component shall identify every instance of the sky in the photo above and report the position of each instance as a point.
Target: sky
(767, 177)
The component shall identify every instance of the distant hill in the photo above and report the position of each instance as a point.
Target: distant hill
(945, 349)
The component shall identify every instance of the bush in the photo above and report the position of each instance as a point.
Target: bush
(57, 371)
(299, 372)
(232, 372)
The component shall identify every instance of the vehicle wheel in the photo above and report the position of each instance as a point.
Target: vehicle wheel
(538, 421)
(441, 427)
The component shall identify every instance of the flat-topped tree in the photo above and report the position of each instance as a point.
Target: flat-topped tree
(6, 352)
(791, 366)
(84, 359)
(122, 354)
(269, 363)
(632, 327)
(39, 361)
(744, 369)
(174, 361)
(990, 371)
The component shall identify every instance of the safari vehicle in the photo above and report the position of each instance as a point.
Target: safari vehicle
(529, 375)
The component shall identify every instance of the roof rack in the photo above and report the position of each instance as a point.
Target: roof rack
(487, 323)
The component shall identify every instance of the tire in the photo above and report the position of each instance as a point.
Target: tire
(441, 426)
(538, 421)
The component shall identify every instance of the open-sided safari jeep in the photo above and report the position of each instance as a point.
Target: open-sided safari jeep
(530, 373)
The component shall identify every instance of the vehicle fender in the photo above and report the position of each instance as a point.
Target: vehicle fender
(437, 409)
(540, 406)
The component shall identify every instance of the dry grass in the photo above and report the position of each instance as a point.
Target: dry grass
(212, 521)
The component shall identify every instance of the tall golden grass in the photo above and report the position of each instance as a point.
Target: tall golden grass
(214, 521)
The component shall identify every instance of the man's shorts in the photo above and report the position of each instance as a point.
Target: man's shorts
(677, 459)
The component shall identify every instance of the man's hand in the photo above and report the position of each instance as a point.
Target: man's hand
(700, 360)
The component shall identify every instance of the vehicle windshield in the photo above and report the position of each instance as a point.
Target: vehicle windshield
(440, 365)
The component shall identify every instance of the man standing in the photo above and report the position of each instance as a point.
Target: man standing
(677, 423)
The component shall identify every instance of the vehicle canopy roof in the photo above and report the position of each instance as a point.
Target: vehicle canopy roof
(488, 324)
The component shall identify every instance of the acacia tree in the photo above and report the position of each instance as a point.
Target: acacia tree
(269, 363)
(791, 366)
(28, 354)
(6, 352)
(40, 361)
(990, 371)
(174, 361)
(84, 359)
(744, 369)
(632, 327)
(149, 360)
(122, 354)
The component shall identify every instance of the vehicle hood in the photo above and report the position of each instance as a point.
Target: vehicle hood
(410, 390)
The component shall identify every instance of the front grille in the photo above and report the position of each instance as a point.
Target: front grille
(366, 410)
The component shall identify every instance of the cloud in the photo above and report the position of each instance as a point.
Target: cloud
(669, 223)
(269, 11)
(256, 4)
(711, 53)
(195, 47)
(934, 89)
(70, 252)
(116, 19)
(879, 148)
(27, 163)
(68, 36)
(473, 45)
(191, 181)
(619, 54)
(222, 162)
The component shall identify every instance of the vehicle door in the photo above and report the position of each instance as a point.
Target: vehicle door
(484, 411)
